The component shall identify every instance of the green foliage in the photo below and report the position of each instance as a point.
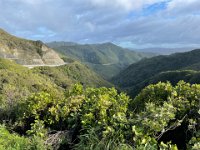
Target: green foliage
(194, 143)
(91, 141)
(153, 93)
(166, 108)
(16, 84)
(53, 112)
(102, 118)
(13, 141)
(104, 109)
(151, 124)
(37, 129)
(100, 108)
(155, 118)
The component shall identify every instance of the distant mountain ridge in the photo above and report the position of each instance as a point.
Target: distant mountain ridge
(27, 52)
(165, 51)
(61, 43)
(107, 59)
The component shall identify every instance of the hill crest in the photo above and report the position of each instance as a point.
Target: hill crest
(27, 52)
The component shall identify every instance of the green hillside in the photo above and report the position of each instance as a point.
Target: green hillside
(106, 59)
(173, 77)
(69, 74)
(147, 68)
(195, 66)
(17, 81)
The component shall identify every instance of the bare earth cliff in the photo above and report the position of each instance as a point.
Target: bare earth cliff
(27, 52)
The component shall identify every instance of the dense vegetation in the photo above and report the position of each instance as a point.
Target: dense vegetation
(17, 82)
(161, 116)
(106, 59)
(65, 76)
(141, 73)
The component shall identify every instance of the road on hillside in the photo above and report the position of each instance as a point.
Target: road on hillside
(32, 66)
(108, 64)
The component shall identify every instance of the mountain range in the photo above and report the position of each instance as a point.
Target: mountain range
(107, 59)
(164, 50)
(48, 68)
(128, 70)
(60, 99)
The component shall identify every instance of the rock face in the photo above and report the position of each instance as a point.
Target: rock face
(27, 52)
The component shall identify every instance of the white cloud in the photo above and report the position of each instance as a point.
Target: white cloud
(103, 20)
(183, 6)
(127, 5)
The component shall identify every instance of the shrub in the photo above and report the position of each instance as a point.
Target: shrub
(13, 141)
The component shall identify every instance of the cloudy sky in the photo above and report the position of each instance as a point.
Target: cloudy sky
(134, 23)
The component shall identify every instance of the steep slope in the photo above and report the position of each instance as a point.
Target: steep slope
(174, 77)
(147, 68)
(189, 76)
(27, 52)
(66, 75)
(17, 82)
(166, 51)
(195, 66)
(106, 59)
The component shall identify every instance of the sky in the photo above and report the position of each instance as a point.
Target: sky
(129, 23)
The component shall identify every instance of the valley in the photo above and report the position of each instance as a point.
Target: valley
(99, 75)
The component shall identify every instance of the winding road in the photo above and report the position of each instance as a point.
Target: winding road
(32, 66)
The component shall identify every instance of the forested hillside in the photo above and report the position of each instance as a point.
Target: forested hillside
(142, 72)
(75, 72)
(173, 77)
(18, 82)
(106, 59)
